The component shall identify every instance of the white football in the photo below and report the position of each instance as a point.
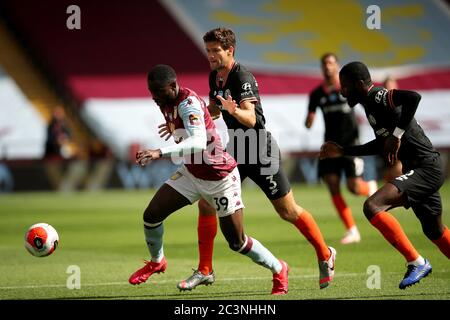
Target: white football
(41, 239)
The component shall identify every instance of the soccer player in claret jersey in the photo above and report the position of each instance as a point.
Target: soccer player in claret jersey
(340, 127)
(208, 172)
(398, 136)
(230, 80)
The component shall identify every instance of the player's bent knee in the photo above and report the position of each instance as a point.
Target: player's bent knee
(151, 215)
(284, 213)
(370, 209)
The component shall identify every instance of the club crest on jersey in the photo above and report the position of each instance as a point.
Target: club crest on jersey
(372, 120)
(246, 86)
(194, 119)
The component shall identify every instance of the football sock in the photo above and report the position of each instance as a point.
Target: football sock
(420, 261)
(206, 231)
(253, 249)
(154, 238)
(393, 232)
(363, 188)
(443, 243)
(307, 226)
(344, 211)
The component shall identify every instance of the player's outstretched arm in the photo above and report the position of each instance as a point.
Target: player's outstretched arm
(143, 157)
(370, 148)
(244, 112)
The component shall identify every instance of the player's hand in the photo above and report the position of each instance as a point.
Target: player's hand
(309, 120)
(144, 157)
(164, 131)
(230, 105)
(330, 149)
(391, 146)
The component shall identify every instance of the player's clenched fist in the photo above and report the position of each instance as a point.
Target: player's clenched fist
(331, 150)
(143, 157)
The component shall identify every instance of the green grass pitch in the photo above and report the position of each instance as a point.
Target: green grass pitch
(102, 234)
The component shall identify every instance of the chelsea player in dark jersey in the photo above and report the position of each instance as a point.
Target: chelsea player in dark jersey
(234, 94)
(398, 136)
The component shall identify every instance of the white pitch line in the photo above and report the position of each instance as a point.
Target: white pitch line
(165, 281)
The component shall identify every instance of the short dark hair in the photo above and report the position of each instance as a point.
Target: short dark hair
(328, 54)
(356, 71)
(224, 36)
(162, 74)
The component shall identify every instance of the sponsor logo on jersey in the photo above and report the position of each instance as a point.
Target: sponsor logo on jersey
(380, 94)
(227, 93)
(246, 86)
(246, 93)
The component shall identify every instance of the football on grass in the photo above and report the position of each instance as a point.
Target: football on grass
(41, 239)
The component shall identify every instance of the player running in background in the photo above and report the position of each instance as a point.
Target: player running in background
(208, 172)
(229, 80)
(341, 127)
(398, 136)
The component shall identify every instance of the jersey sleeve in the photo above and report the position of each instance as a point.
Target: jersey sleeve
(313, 101)
(383, 97)
(245, 86)
(191, 112)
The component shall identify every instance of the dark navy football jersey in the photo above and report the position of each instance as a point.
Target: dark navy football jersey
(340, 120)
(241, 85)
(384, 116)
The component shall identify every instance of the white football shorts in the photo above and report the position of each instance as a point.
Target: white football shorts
(223, 195)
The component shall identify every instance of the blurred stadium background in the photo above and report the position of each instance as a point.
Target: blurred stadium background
(97, 73)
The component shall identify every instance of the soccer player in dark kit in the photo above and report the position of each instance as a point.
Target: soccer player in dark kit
(234, 95)
(342, 128)
(398, 136)
(211, 175)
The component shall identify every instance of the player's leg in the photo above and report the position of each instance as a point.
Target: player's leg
(375, 208)
(225, 195)
(176, 193)
(330, 171)
(429, 213)
(206, 232)
(233, 231)
(354, 169)
(278, 191)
